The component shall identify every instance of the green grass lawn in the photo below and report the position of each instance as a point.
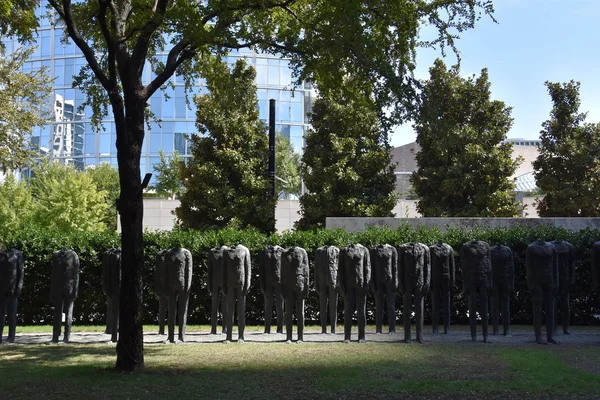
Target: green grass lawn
(308, 370)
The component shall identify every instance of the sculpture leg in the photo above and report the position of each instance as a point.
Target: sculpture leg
(333, 302)
(435, 309)
(172, 305)
(13, 302)
(279, 309)
(214, 311)
(550, 315)
(108, 329)
(69, 319)
(379, 304)
(349, 300)
(446, 304)
(406, 311)
(495, 309)
(505, 306)
(419, 317)
(391, 308)
(537, 299)
(473, 314)
(323, 308)
(230, 315)
(162, 312)
(3, 305)
(300, 317)
(289, 315)
(484, 304)
(183, 299)
(565, 313)
(57, 323)
(241, 318)
(361, 310)
(114, 313)
(268, 295)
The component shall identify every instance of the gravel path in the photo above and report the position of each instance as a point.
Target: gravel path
(313, 335)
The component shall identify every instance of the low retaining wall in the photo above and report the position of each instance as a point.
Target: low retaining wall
(354, 224)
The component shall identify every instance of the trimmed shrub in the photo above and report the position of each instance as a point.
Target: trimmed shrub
(90, 307)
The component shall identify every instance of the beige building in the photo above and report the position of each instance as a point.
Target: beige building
(525, 148)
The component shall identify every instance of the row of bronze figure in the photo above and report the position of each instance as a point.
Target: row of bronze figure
(414, 269)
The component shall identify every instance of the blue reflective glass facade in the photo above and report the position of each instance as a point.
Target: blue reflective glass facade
(70, 137)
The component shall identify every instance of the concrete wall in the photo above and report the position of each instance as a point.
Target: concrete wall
(351, 224)
(159, 214)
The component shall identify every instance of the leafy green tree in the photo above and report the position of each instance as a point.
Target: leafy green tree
(567, 169)
(227, 176)
(347, 164)
(287, 167)
(17, 18)
(168, 176)
(325, 40)
(67, 199)
(106, 178)
(24, 99)
(16, 204)
(464, 165)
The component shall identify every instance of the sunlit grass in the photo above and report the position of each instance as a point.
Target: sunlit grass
(308, 370)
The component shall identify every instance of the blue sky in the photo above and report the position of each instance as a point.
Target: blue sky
(533, 41)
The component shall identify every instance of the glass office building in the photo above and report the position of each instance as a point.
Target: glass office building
(69, 136)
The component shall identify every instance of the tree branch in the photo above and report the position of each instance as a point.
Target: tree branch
(140, 50)
(110, 42)
(67, 15)
(179, 53)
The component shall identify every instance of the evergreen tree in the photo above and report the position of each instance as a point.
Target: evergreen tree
(226, 179)
(346, 165)
(567, 169)
(464, 165)
(168, 177)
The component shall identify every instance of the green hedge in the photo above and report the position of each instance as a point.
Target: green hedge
(38, 245)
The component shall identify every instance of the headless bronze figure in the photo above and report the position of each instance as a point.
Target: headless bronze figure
(354, 275)
(566, 254)
(64, 286)
(477, 280)
(269, 264)
(216, 265)
(236, 278)
(11, 284)
(503, 275)
(326, 282)
(543, 284)
(414, 278)
(111, 285)
(443, 278)
(384, 283)
(294, 285)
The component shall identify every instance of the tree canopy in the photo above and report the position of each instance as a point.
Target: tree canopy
(346, 164)
(325, 40)
(24, 99)
(464, 165)
(567, 168)
(168, 175)
(226, 179)
(287, 167)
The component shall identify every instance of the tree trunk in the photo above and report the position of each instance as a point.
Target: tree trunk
(129, 121)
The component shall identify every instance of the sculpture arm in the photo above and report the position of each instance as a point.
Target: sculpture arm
(529, 271)
(366, 270)
(465, 270)
(262, 270)
(306, 270)
(374, 271)
(20, 272)
(395, 267)
(555, 271)
(572, 262)
(426, 271)
(452, 266)
(210, 265)
(342, 273)
(76, 285)
(401, 267)
(248, 272)
(317, 268)
(105, 274)
(490, 278)
(189, 266)
(511, 273)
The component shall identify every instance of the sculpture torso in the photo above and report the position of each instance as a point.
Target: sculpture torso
(354, 264)
(541, 263)
(65, 274)
(235, 258)
(216, 266)
(382, 262)
(477, 266)
(413, 259)
(326, 265)
(502, 263)
(441, 255)
(294, 270)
